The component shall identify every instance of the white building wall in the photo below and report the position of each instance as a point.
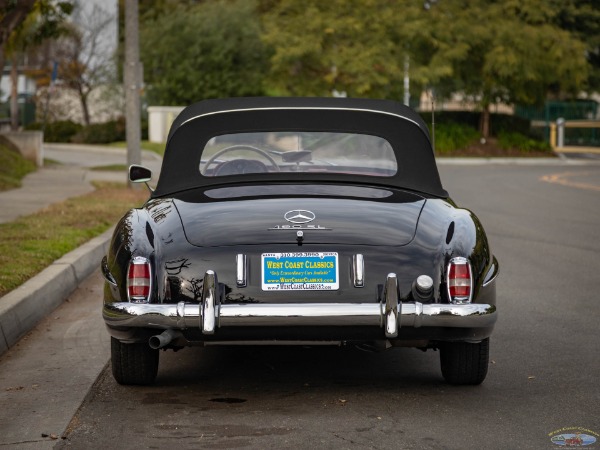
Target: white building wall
(105, 103)
(25, 85)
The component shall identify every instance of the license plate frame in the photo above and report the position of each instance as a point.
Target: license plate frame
(300, 271)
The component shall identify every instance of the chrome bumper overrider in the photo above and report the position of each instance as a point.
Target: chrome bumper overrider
(210, 314)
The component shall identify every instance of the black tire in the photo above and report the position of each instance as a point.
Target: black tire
(463, 363)
(133, 363)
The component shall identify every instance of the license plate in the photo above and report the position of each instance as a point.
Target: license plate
(300, 271)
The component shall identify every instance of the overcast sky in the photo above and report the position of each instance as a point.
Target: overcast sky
(98, 10)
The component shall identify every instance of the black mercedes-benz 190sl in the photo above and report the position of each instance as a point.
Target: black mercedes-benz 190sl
(299, 221)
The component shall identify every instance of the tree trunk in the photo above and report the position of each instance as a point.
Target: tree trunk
(484, 121)
(83, 97)
(14, 95)
(1, 60)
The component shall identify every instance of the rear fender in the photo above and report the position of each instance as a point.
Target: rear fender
(446, 232)
(147, 232)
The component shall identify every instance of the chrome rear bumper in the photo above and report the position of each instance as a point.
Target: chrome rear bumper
(209, 315)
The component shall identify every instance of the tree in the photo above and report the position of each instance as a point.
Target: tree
(12, 15)
(50, 17)
(355, 46)
(204, 51)
(492, 51)
(84, 57)
(506, 51)
(148, 11)
(45, 17)
(24, 24)
(582, 18)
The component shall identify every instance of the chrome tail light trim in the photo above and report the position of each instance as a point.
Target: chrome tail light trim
(459, 300)
(140, 260)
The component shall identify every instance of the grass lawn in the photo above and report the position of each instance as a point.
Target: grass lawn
(31, 243)
(111, 168)
(146, 145)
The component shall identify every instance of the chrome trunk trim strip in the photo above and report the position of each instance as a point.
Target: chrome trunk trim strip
(241, 270)
(358, 270)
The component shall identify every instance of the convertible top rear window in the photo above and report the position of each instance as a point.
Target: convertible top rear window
(298, 140)
(293, 151)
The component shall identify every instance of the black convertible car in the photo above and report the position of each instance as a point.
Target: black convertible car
(299, 221)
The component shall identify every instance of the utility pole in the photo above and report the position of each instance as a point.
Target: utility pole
(406, 80)
(132, 82)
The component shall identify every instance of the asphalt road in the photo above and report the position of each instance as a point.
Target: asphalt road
(543, 225)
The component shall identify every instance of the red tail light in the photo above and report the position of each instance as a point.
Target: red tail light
(460, 281)
(139, 280)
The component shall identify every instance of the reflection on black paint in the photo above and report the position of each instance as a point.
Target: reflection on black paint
(174, 267)
(195, 287)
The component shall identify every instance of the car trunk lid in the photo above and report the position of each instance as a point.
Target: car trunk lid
(389, 219)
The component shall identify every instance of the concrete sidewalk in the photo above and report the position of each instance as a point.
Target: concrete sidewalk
(42, 188)
(46, 376)
(70, 178)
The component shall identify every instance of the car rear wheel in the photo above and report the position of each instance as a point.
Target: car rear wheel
(133, 363)
(465, 363)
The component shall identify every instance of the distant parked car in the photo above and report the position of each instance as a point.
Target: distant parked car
(299, 221)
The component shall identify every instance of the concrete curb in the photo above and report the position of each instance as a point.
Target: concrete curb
(23, 308)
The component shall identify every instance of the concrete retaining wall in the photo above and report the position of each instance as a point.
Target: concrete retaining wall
(30, 144)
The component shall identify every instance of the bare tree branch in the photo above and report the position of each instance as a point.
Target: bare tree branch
(84, 55)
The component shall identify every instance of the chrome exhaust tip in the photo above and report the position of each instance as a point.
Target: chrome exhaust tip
(163, 339)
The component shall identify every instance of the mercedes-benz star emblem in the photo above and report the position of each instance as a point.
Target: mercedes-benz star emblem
(299, 216)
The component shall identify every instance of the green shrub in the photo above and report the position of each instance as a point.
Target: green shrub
(102, 133)
(508, 140)
(504, 123)
(59, 131)
(498, 122)
(453, 136)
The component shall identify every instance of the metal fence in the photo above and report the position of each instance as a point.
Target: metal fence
(577, 110)
(575, 133)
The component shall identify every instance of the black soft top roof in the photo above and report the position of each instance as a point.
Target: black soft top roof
(399, 125)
